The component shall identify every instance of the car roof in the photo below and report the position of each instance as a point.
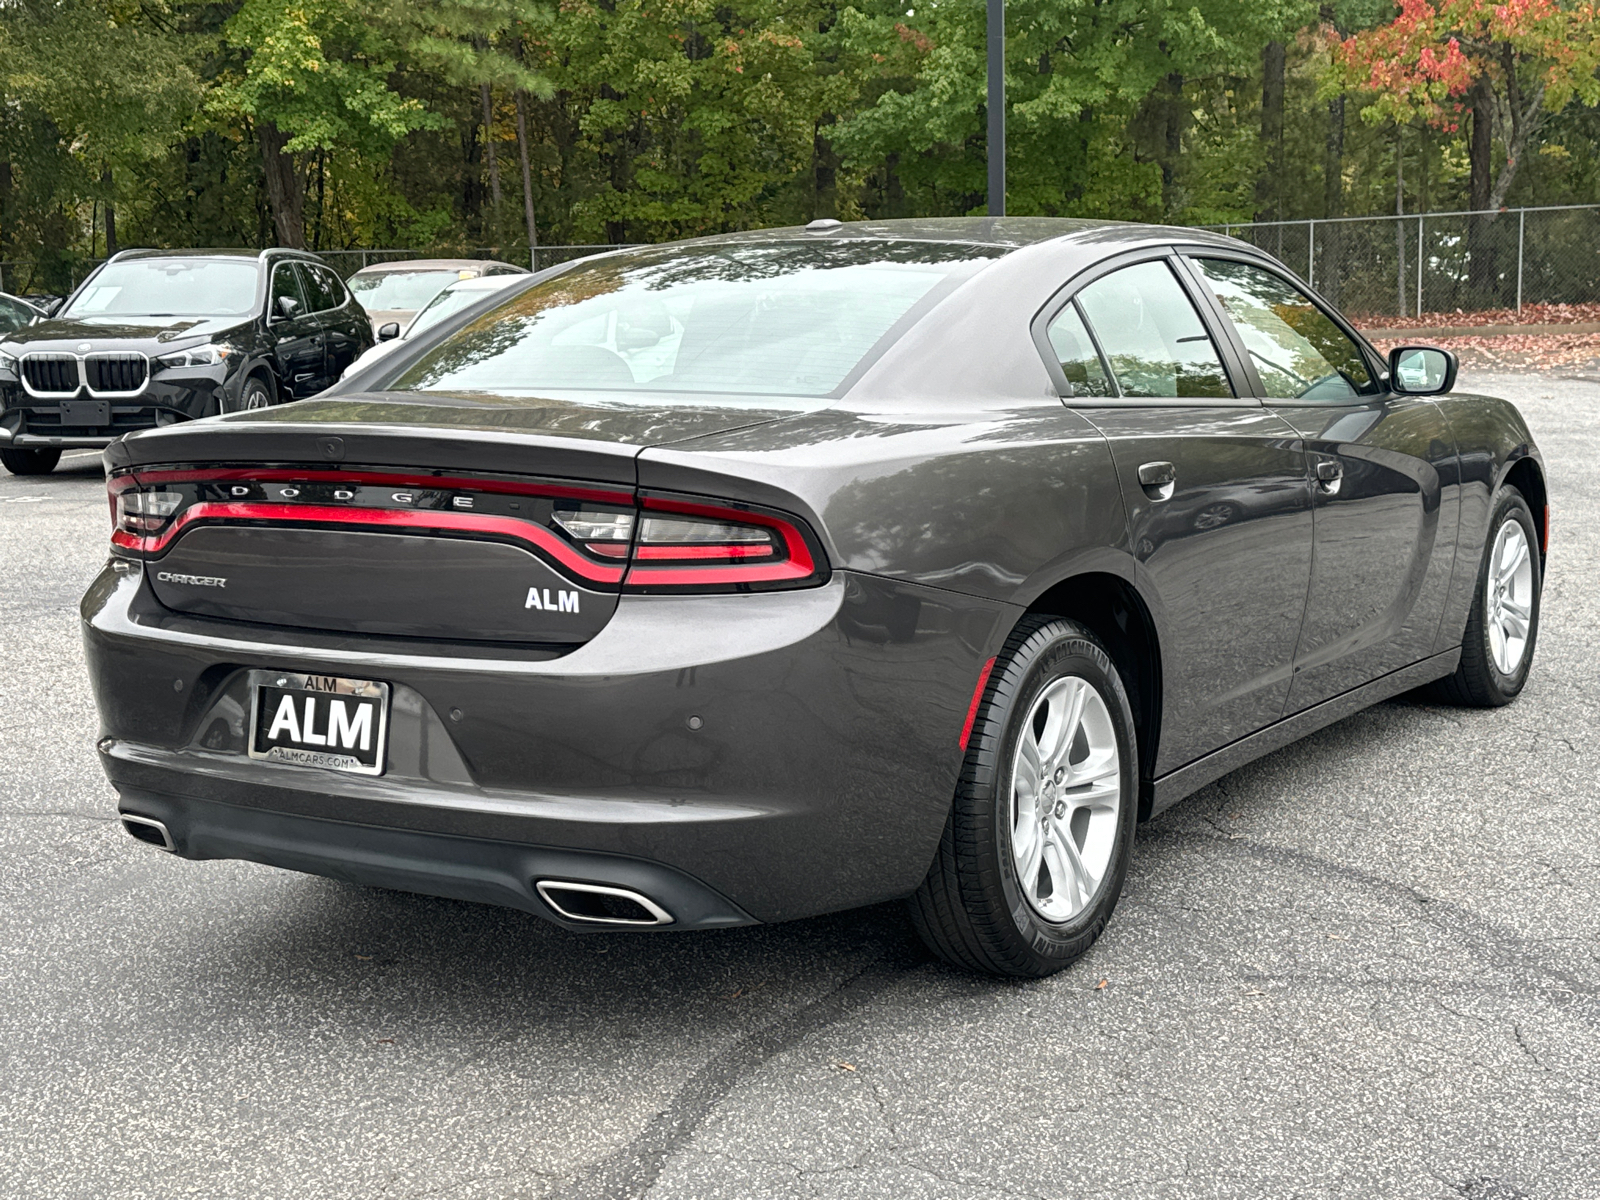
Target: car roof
(217, 252)
(483, 283)
(1008, 233)
(439, 264)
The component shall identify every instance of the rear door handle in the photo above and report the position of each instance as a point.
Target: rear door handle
(1158, 479)
(1330, 474)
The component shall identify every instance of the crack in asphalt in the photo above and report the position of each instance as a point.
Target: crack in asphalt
(1496, 943)
(629, 1171)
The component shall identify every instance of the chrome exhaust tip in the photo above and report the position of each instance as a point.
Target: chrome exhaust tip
(595, 904)
(148, 830)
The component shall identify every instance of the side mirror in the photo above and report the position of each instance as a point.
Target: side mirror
(288, 306)
(1421, 370)
(388, 333)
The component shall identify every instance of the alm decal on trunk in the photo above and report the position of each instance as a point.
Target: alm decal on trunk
(564, 601)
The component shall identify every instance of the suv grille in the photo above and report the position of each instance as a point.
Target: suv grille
(116, 372)
(51, 373)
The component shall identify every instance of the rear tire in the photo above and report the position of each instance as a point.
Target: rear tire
(992, 901)
(30, 462)
(1503, 624)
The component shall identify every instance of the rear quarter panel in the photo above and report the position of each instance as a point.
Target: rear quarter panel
(1491, 439)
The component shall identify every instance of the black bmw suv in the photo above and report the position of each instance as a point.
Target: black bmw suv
(158, 336)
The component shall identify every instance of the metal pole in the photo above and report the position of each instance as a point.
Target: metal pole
(997, 108)
(1419, 264)
(1522, 226)
(1311, 252)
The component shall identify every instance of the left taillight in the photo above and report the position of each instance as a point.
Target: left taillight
(137, 512)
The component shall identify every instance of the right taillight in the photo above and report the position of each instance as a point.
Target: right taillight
(687, 546)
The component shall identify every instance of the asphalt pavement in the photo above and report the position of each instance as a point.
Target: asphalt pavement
(1365, 966)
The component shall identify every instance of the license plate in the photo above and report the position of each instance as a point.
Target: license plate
(319, 721)
(85, 412)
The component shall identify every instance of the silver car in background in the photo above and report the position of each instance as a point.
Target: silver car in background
(394, 293)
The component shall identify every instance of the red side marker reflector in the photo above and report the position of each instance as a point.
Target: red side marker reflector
(977, 698)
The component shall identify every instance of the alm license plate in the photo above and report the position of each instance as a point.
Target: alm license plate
(319, 721)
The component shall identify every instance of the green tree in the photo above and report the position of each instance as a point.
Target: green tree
(313, 76)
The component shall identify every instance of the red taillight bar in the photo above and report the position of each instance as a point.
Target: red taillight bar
(386, 479)
(389, 518)
(713, 565)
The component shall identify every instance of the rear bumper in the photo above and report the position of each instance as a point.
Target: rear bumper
(817, 776)
(482, 870)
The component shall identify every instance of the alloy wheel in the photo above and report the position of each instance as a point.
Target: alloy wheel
(1066, 793)
(1508, 598)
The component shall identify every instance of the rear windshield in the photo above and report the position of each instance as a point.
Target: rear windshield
(398, 291)
(771, 320)
(169, 287)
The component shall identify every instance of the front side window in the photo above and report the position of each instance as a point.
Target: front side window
(286, 282)
(1298, 352)
(169, 287)
(13, 314)
(1152, 336)
(766, 319)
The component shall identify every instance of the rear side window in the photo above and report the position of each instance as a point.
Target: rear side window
(324, 287)
(1299, 353)
(1080, 361)
(1152, 336)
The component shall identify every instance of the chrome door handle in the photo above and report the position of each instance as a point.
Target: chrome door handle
(1158, 480)
(1330, 474)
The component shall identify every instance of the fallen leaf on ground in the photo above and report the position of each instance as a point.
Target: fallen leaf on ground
(843, 1066)
(1101, 985)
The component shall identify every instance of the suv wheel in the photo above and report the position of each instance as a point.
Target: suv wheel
(30, 462)
(258, 393)
(1037, 843)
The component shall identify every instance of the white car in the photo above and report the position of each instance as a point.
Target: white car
(448, 302)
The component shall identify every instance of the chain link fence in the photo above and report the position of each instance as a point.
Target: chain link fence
(1403, 266)
(1372, 267)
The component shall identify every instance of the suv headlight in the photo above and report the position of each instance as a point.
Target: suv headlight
(7, 362)
(196, 356)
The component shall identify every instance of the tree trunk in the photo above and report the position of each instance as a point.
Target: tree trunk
(1480, 146)
(1269, 184)
(286, 195)
(5, 214)
(527, 180)
(1332, 235)
(494, 159)
(111, 212)
(1399, 225)
(1176, 122)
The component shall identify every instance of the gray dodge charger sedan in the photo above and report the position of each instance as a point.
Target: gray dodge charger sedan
(767, 575)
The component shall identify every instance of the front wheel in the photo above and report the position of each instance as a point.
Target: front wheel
(1503, 625)
(30, 462)
(257, 394)
(1036, 846)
